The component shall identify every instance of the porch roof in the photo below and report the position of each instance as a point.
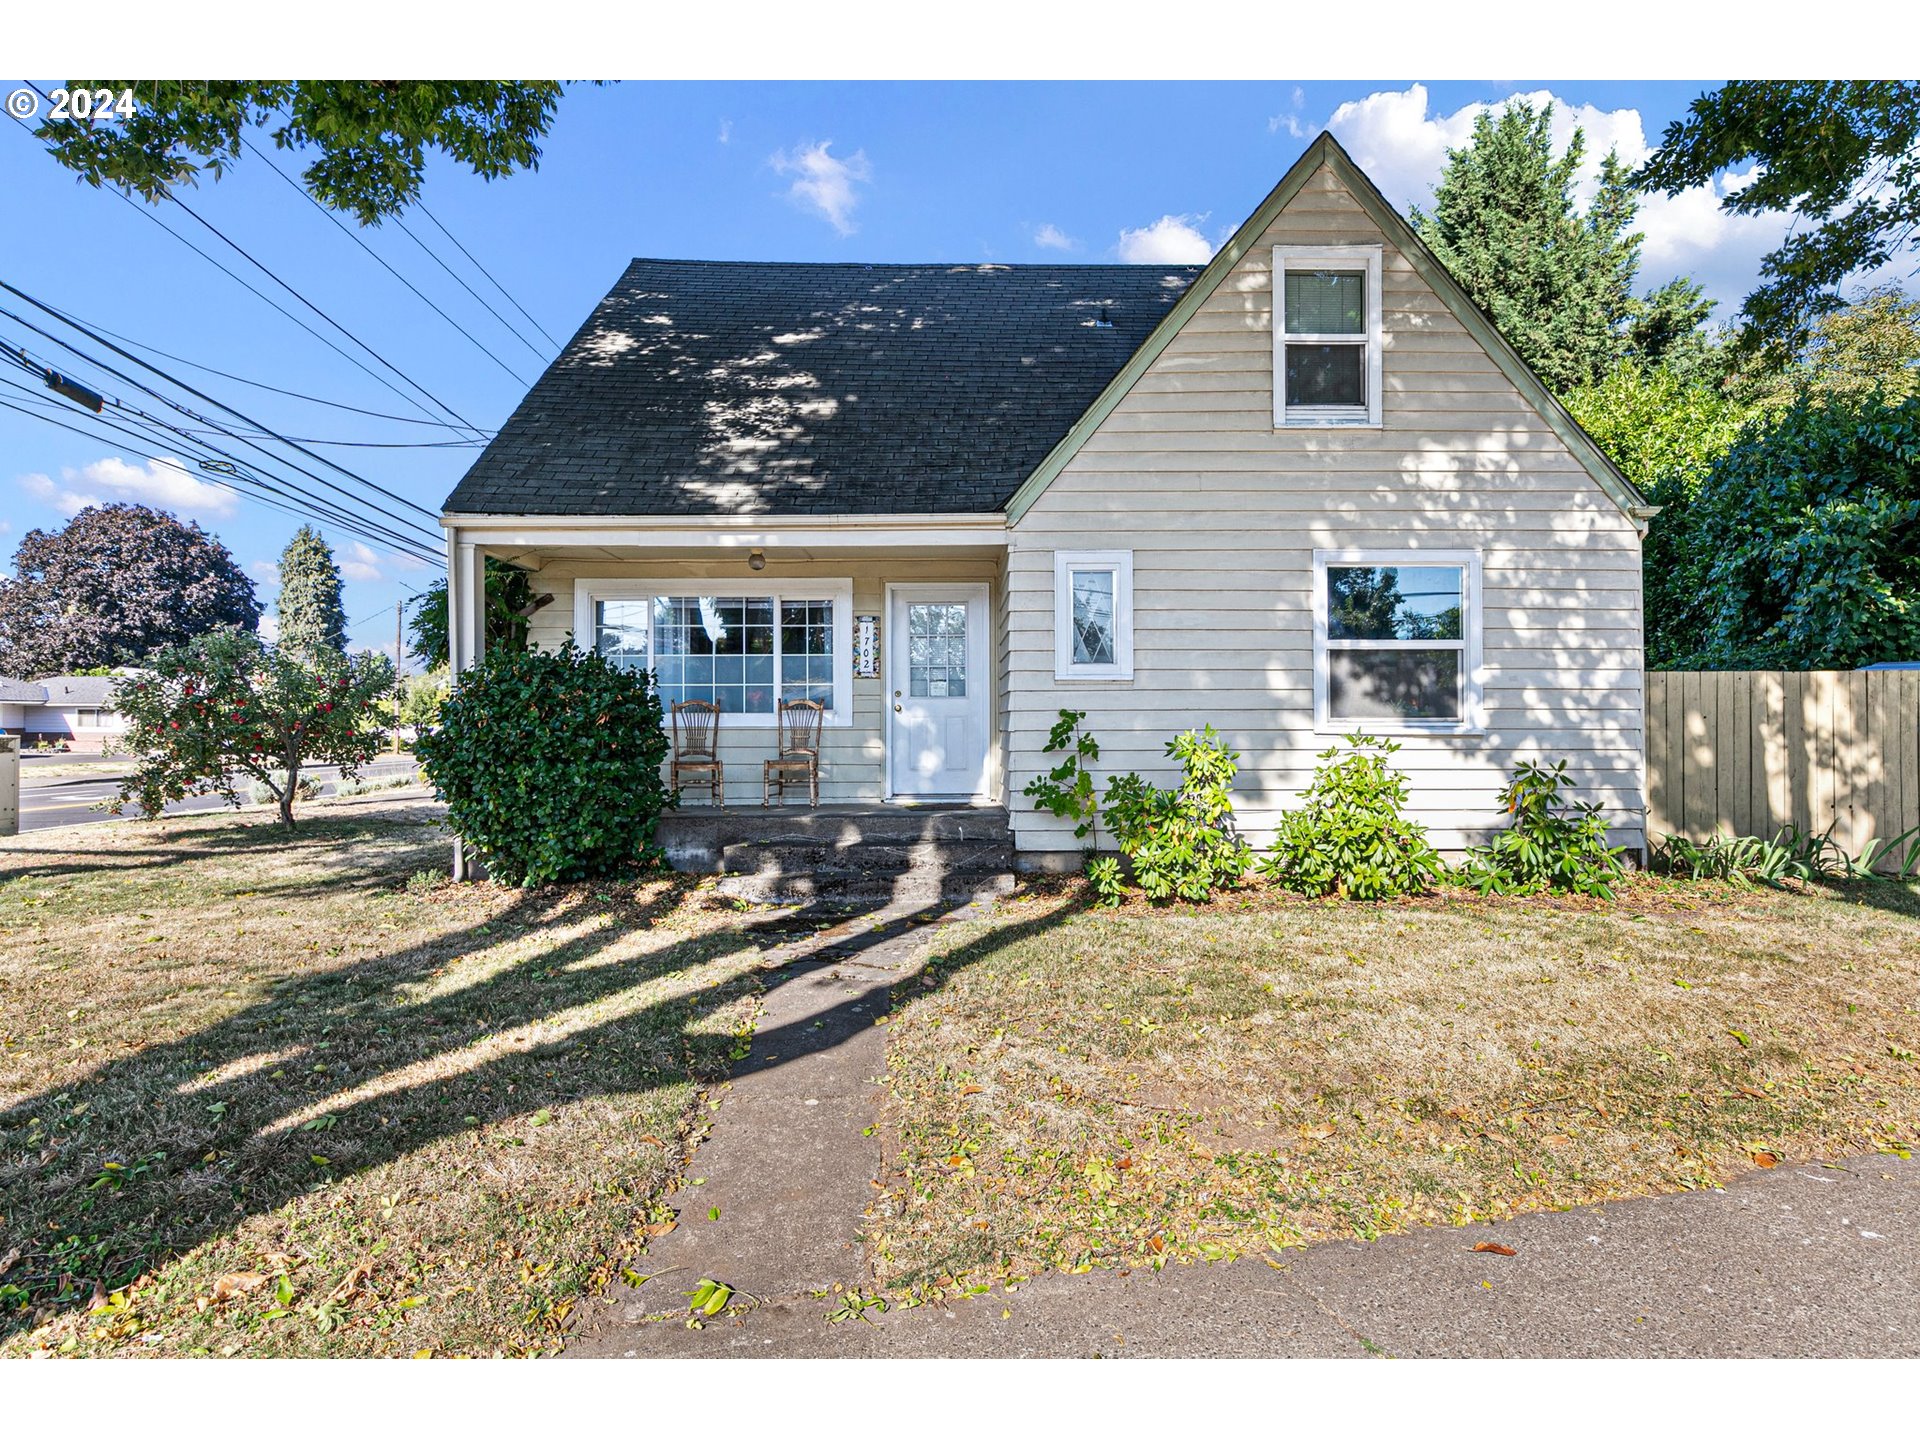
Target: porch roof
(706, 388)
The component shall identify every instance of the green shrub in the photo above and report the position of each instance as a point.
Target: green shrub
(1104, 874)
(1551, 845)
(1180, 842)
(549, 762)
(1349, 837)
(1792, 854)
(1067, 789)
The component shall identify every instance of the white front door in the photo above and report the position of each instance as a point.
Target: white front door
(937, 715)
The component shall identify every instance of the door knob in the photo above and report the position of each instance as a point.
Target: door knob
(896, 705)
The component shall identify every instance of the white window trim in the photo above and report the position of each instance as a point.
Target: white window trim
(586, 592)
(1473, 718)
(1327, 257)
(1120, 563)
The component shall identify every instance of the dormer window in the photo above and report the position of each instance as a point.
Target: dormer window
(1326, 335)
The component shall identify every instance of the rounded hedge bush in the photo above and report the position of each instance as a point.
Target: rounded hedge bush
(549, 762)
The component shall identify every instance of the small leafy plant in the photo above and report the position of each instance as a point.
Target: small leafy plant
(1349, 836)
(1179, 842)
(1105, 876)
(1067, 789)
(1552, 844)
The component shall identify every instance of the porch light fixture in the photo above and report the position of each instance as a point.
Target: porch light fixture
(756, 560)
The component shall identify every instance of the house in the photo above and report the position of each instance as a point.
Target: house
(72, 710)
(1150, 493)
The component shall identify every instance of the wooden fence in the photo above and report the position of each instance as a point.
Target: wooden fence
(1746, 752)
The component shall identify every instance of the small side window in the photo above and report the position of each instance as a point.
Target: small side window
(1093, 614)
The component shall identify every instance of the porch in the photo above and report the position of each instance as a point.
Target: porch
(896, 626)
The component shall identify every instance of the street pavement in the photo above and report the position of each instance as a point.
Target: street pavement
(51, 800)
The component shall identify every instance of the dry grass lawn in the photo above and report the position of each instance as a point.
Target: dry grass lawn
(1081, 1088)
(263, 1096)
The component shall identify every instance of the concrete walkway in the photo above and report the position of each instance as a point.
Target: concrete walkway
(1813, 1260)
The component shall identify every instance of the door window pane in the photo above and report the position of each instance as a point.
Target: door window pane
(1326, 375)
(1093, 628)
(1394, 602)
(937, 650)
(1326, 302)
(1393, 684)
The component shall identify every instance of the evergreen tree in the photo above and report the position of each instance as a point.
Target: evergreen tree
(311, 617)
(1558, 283)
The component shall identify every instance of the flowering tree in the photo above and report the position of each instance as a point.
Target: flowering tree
(225, 706)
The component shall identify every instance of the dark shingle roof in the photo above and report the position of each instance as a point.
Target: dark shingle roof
(711, 388)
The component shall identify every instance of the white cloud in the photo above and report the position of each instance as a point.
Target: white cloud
(825, 182)
(1052, 237)
(359, 562)
(267, 570)
(269, 628)
(726, 132)
(1170, 240)
(1403, 148)
(165, 483)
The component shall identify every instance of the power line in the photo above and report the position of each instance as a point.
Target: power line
(241, 250)
(428, 544)
(381, 261)
(200, 395)
(318, 510)
(407, 231)
(268, 300)
(257, 384)
(421, 206)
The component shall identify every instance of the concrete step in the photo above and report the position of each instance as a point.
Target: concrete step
(857, 888)
(949, 857)
(696, 839)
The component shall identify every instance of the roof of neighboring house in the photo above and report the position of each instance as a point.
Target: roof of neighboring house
(20, 692)
(84, 691)
(747, 388)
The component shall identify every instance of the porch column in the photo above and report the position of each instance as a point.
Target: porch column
(466, 634)
(466, 602)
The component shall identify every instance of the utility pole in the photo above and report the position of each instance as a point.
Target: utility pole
(399, 608)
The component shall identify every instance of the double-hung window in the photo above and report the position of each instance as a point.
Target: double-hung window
(1397, 640)
(743, 648)
(1326, 335)
(1093, 614)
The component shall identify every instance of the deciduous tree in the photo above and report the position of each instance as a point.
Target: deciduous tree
(225, 706)
(1843, 156)
(113, 584)
(369, 138)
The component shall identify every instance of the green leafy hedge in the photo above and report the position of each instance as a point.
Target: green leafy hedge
(549, 762)
(1349, 836)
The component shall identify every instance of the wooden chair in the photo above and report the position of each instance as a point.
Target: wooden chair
(696, 737)
(799, 752)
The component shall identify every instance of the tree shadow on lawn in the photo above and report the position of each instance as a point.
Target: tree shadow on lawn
(206, 1130)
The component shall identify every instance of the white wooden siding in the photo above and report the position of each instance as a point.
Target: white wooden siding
(1223, 513)
(852, 766)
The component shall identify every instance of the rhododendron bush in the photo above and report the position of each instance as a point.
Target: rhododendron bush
(226, 710)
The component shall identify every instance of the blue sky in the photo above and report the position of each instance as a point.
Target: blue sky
(1008, 172)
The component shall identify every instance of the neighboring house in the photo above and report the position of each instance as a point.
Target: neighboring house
(1145, 492)
(15, 697)
(76, 710)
